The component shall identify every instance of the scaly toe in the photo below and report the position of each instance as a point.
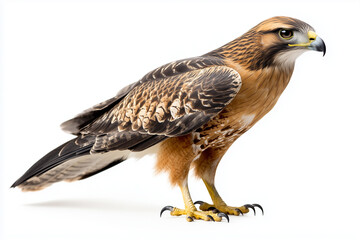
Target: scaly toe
(207, 216)
(232, 210)
(191, 215)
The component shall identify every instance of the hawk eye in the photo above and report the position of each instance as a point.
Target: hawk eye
(286, 34)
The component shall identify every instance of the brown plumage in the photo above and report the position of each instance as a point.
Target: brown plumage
(192, 110)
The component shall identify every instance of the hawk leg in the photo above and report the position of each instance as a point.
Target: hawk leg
(190, 210)
(221, 206)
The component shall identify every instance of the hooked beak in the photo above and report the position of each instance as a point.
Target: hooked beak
(318, 45)
(315, 43)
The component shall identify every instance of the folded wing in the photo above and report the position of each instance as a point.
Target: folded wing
(170, 101)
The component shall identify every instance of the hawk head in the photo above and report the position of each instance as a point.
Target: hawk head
(275, 42)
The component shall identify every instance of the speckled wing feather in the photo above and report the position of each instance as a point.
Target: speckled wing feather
(171, 101)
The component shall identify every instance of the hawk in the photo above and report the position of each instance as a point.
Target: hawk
(189, 111)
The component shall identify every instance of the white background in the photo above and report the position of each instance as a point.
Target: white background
(300, 161)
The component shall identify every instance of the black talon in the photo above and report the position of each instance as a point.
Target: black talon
(190, 219)
(250, 206)
(213, 209)
(211, 218)
(169, 208)
(259, 206)
(239, 211)
(221, 214)
(198, 202)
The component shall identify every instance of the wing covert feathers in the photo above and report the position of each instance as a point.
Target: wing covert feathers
(171, 104)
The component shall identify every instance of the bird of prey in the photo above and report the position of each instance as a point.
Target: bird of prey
(189, 111)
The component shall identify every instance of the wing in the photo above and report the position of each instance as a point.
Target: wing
(165, 103)
(171, 101)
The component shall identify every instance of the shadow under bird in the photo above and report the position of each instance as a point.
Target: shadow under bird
(188, 111)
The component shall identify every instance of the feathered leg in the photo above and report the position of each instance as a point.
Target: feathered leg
(175, 157)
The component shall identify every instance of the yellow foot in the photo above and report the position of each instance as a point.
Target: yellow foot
(229, 210)
(194, 214)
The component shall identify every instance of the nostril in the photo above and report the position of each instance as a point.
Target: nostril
(312, 39)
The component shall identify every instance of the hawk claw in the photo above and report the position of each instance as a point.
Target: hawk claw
(168, 208)
(252, 206)
(221, 214)
(211, 218)
(259, 206)
(239, 211)
(213, 209)
(198, 202)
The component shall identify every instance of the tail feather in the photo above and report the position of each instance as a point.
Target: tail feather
(68, 162)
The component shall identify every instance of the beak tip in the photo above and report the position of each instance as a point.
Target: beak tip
(319, 45)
